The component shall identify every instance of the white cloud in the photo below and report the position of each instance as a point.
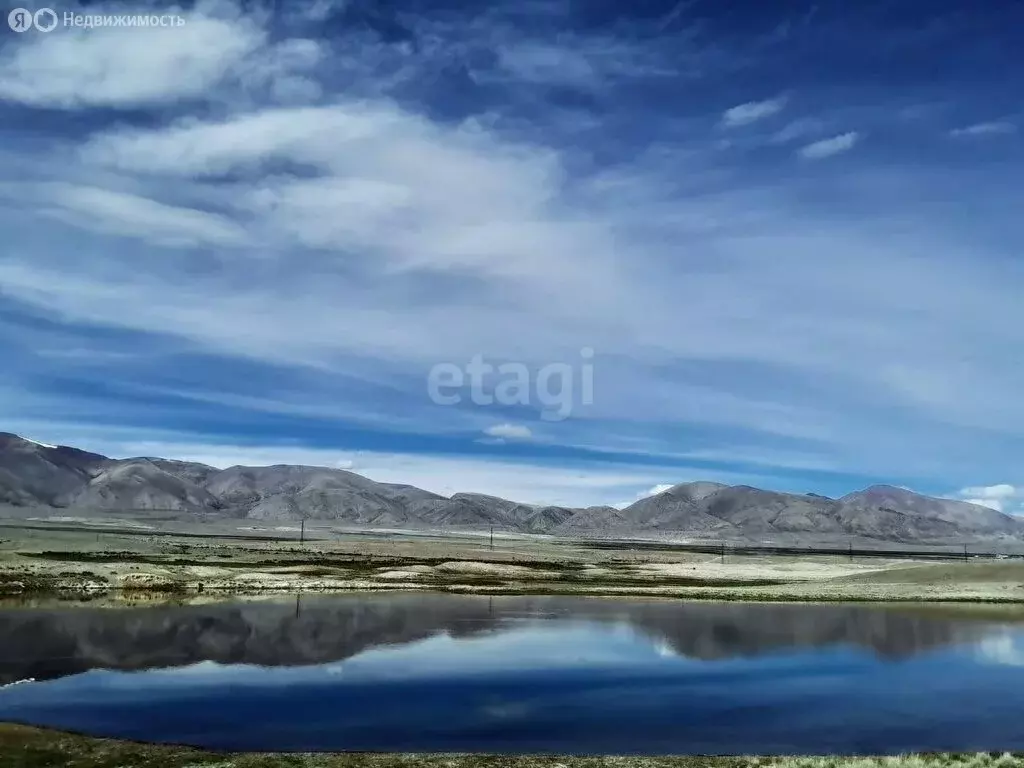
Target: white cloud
(380, 168)
(316, 135)
(652, 491)
(996, 128)
(228, 311)
(1001, 491)
(118, 213)
(829, 147)
(409, 241)
(1002, 497)
(121, 67)
(752, 111)
(659, 488)
(509, 431)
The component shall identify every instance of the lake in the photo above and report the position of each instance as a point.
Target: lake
(420, 672)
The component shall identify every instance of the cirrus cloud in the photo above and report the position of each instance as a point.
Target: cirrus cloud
(836, 145)
(752, 112)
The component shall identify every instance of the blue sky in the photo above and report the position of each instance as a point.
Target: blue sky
(789, 231)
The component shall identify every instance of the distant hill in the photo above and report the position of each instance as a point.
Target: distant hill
(880, 512)
(47, 478)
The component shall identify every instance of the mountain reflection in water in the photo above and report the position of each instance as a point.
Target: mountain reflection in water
(519, 674)
(313, 630)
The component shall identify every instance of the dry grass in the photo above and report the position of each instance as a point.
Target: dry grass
(23, 747)
(88, 562)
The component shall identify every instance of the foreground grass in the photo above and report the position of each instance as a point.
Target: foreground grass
(24, 747)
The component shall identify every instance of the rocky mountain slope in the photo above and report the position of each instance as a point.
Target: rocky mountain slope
(34, 475)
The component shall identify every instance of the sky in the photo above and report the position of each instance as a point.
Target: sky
(773, 243)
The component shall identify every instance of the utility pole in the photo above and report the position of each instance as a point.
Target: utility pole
(851, 551)
(965, 553)
(492, 537)
(723, 552)
(302, 532)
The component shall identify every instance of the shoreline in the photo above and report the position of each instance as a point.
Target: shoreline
(24, 746)
(134, 596)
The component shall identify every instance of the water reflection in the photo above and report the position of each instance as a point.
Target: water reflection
(51, 643)
(446, 673)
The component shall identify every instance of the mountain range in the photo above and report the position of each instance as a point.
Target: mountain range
(45, 478)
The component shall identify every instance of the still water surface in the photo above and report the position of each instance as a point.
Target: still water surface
(555, 674)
